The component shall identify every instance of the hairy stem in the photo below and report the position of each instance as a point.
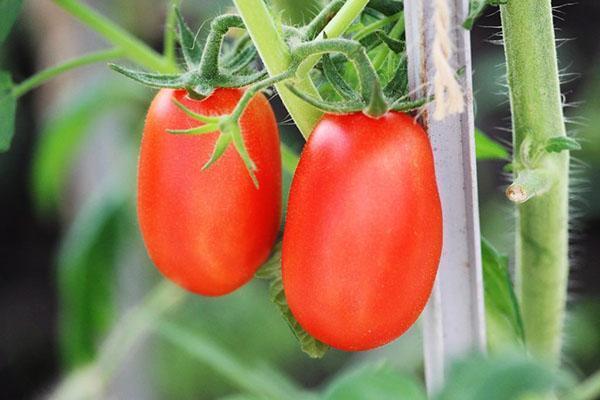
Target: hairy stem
(169, 39)
(44, 76)
(542, 223)
(275, 53)
(133, 48)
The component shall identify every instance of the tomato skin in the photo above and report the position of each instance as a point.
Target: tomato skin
(208, 230)
(363, 233)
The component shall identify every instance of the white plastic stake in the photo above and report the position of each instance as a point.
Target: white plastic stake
(454, 321)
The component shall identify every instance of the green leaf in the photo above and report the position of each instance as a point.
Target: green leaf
(561, 143)
(271, 271)
(86, 268)
(240, 60)
(192, 51)
(397, 86)
(503, 314)
(336, 80)
(157, 81)
(397, 46)
(260, 380)
(9, 11)
(8, 108)
(505, 377)
(488, 149)
(62, 137)
(476, 8)
(386, 7)
(379, 382)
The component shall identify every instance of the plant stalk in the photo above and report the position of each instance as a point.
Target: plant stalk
(169, 38)
(275, 53)
(542, 221)
(133, 48)
(44, 76)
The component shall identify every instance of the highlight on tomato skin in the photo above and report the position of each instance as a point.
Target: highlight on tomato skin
(363, 234)
(208, 230)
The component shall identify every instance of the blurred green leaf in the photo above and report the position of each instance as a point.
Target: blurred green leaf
(379, 382)
(62, 138)
(9, 11)
(506, 377)
(259, 380)
(503, 315)
(488, 149)
(476, 8)
(271, 271)
(8, 107)
(86, 268)
(296, 12)
(582, 334)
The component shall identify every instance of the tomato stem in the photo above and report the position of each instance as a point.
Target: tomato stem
(169, 36)
(267, 36)
(134, 48)
(47, 74)
(542, 222)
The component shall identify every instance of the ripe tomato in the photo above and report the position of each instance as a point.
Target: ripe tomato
(208, 230)
(363, 234)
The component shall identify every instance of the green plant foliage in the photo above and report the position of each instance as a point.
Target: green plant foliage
(86, 267)
(506, 377)
(488, 149)
(9, 11)
(476, 8)
(271, 271)
(503, 315)
(296, 12)
(62, 138)
(259, 380)
(379, 382)
(8, 108)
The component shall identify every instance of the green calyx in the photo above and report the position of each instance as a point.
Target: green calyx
(343, 65)
(205, 67)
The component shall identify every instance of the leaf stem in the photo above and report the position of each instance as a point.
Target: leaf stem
(169, 36)
(542, 222)
(45, 75)
(131, 329)
(255, 380)
(133, 48)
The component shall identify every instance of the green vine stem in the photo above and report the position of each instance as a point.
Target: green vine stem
(169, 39)
(542, 223)
(269, 41)
(44, 76)
(91, 381)
(134, 48)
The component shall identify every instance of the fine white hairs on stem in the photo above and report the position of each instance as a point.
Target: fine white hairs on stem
(446, 90)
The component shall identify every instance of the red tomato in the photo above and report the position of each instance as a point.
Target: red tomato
(208, 230)
(363, 232)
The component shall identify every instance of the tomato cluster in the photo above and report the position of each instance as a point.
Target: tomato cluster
(363, 234)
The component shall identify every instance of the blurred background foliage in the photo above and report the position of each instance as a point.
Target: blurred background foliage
(73, 262)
